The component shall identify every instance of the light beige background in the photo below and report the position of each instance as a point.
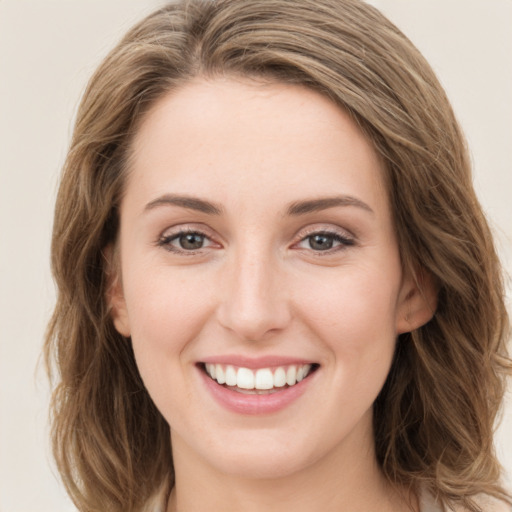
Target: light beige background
(48, 49)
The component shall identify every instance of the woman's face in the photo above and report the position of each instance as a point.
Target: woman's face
(257, 245)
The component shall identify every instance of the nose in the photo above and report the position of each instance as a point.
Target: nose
(255, 303)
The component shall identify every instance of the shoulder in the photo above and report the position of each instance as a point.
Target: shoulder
(486, 503)
(158, 502)
(489, 504)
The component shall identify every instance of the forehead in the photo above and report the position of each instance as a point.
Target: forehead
(232, 105)
(258, 136)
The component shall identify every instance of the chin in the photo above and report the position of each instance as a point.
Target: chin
(264, 456)
(264, 465)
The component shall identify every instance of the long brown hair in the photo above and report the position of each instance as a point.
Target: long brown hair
(435, 416)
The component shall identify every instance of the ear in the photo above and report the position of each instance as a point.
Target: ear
(114, 293)
(417, 301)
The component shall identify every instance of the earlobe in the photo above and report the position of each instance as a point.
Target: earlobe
(417, 302)
(114, 292)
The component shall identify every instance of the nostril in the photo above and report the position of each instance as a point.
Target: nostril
(252, 306)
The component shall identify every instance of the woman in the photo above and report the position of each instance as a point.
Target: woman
(276, 286)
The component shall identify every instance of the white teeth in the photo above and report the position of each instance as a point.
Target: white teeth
(220, 376)
(230, 376)
(245, 378)
(262, 379)
(279, 378)
(291, 375)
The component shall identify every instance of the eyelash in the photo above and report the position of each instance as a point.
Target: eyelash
(165, 241)
(344, 241)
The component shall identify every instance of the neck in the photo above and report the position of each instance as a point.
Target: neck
(341, 481)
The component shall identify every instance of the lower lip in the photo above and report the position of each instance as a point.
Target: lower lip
(242, 403)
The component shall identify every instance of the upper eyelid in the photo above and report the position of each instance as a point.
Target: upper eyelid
(343, 240)
(186, 228)
(326, 229)
(301, 234)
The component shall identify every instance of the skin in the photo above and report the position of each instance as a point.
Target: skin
(259, 286)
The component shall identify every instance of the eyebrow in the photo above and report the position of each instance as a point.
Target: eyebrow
(297, 208)
(316, 205)
(188, 202)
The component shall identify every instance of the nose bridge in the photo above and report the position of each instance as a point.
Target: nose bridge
(254, 300)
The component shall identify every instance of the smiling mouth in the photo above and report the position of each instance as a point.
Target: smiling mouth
(262, 381)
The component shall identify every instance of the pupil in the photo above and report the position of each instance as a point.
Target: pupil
(191, 241)
(321, 242)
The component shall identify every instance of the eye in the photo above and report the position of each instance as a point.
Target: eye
(190, 241)
(324, 241)
(185, 241)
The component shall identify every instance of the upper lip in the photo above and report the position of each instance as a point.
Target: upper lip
(255, 362)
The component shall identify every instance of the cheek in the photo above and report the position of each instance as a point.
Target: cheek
(164, 305)
(166, 314)
(164, 324)
(354, 316)
(353, 302)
